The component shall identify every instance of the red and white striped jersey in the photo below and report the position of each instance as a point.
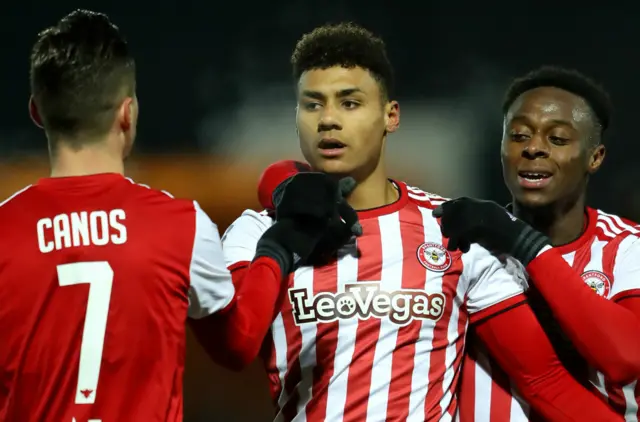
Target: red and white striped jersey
(379, 334)
(97, 277)
(607, 256)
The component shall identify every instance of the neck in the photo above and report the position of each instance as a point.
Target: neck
(562, 223)
(374, 191)
(93, 159)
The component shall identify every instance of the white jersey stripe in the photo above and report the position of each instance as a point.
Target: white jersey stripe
(422, 357)
(620, 223)
(483, 388)
(629, 392)
(337, 390)
(391, 239)
(519, 408)
(605, 229)
(451, 350)
(279, 337)
(303, 279)
(597, 248)
(611, 224)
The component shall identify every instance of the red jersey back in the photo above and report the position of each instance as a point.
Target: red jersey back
(97, 277)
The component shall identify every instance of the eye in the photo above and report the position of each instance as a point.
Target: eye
(519, 137)
(311, 106)
(350, 104)
(558, 140)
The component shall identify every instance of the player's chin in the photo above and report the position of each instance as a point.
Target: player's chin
(537, 198)
(337, 166)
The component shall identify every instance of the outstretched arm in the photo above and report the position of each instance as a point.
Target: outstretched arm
(233, 336)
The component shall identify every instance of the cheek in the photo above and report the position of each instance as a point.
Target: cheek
(574, 167)
(307, 128)
(372, 127)
(509, 156)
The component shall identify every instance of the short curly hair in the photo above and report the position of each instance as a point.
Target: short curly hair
(568, 80)
(347, 45)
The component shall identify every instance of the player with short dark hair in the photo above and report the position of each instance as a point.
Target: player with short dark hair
(81, 72)
(571, 81)
(585, 288)
(378, 332)
(98, 274)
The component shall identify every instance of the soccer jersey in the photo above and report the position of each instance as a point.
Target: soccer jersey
(379, 333)
(607, 256)
(97, 277)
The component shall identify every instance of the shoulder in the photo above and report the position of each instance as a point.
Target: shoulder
(610, 226)
(145, 191)
(422, 198)
(15, 201)
(250, 224)
(620, 233)
(160, 202)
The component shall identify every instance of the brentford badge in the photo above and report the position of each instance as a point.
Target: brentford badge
(598, 281)
(434, 257)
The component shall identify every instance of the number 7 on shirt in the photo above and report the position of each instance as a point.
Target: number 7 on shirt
(99, 276)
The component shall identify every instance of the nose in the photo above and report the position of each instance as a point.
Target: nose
(535, 147)
(329, 120)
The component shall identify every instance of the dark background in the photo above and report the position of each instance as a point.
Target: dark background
(216, 95)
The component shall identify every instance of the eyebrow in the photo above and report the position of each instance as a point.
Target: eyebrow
(522, 117)
(340, 94)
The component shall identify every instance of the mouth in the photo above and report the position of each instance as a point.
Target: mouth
(534, 179)
(330, 147)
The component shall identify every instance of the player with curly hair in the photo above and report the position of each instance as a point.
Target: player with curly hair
(378, 333)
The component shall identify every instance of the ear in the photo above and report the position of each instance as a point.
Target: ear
(596, 157)
(392, 116)
(34, 113)
(127, 113)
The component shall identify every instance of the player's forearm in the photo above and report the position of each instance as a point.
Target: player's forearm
(606, 333)
(234, 337)
(560, 398)
(518, 343)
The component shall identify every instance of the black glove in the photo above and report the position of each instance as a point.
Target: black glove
(465, 221)
(338, 233)
(308, 207)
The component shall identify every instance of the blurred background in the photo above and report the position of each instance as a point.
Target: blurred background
(217, 107)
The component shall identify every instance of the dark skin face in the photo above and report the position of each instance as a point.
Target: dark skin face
(550, 131)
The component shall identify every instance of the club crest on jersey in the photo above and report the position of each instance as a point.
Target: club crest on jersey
(598, 281)
(434, 257)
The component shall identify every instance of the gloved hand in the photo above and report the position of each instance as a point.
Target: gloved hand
(308, 206)
(465, 221)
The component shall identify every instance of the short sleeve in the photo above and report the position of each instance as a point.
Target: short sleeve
(211, 287)
(626, 272)
(240, 240)
(492, 284)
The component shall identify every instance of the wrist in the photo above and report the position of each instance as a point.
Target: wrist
(272, 249)
(529, 244)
